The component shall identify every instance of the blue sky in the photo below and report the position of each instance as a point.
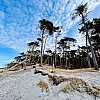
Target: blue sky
(19, 19)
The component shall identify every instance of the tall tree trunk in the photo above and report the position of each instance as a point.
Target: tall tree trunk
(55, 50)
(45, 44)
(88, 58)
(66, 61)
(42, 48)
(93, 55)
(51, 60)
(60, 61)
(53, 66)
(69, 55)
(69, 59)
(31, 54)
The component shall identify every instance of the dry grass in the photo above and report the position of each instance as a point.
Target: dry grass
(59, 70)
(1, 74)
(74, 84)
(43, 85)
(80, 86)
(64, 89)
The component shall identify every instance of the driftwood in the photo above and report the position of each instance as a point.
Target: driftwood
(37, 71)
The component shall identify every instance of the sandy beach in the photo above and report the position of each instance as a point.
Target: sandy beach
(23, 85)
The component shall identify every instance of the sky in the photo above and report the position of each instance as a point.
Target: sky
(19, 20)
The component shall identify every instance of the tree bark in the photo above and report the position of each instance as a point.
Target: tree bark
(66, 61)
(93, 55)
(89, 64)
(55, 50)
(45, 44)
(31, 54)
(42, 48)
(60, 61)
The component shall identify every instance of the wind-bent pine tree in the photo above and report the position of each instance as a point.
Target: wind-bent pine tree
(46, 27)
(23, 55)
(82, 12)
(32, 45)
(18, 59)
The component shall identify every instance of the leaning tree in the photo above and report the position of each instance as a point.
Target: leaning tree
(82, 12)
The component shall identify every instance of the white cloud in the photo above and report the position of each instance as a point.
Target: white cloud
(19, 20)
